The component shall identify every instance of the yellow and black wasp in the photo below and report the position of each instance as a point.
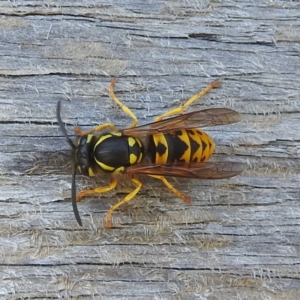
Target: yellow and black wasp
(166, 147)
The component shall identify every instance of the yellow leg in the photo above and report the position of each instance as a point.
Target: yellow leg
(79, 132)
(171, 187)
(125, 200)
(124, 107)
(181, 108)
(99, 190)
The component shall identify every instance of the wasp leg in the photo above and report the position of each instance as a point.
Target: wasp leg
(99, 190)
(123, 106)
(171, 187)
(78, 131)
(125, 200)
(181, 108)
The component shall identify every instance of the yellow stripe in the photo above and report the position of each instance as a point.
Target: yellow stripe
(140, 158)
(160, 138)
(119, 170)
(132, 158)
(185, 138)
(116, 133)
(131, 141)
(209, 148)
(89, 138)
(91, 172)
(197, 138)
(139, 143)
(104, 166)
(102, 138)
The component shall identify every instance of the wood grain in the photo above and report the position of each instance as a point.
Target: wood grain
(239, 239)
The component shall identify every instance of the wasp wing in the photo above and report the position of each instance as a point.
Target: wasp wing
(199, 170)
(195, 119)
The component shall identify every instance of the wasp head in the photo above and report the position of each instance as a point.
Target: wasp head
(84, 155)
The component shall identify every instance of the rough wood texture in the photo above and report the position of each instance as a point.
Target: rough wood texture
(240, 237)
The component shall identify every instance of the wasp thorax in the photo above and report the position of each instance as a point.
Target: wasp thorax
(114, 152)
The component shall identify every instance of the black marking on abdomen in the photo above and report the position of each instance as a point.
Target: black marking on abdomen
(176, 147)
(194, 147)
(161, 149)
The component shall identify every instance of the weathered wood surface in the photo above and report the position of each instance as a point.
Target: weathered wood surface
(240, 237)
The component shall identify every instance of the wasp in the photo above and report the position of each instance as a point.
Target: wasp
(170, 146)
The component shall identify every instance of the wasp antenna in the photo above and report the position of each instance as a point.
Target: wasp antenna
(74, 203)
(62, 126)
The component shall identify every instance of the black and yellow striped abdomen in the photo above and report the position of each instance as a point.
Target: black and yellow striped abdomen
(187, 145)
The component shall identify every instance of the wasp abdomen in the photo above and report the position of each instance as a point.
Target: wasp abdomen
(114, 152)
(186, 145)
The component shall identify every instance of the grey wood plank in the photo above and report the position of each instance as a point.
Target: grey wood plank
(239, 239)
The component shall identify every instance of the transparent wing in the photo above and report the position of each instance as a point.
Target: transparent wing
(200, 170)
(195, 119)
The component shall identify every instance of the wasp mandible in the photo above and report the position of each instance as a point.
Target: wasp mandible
(167, 147)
